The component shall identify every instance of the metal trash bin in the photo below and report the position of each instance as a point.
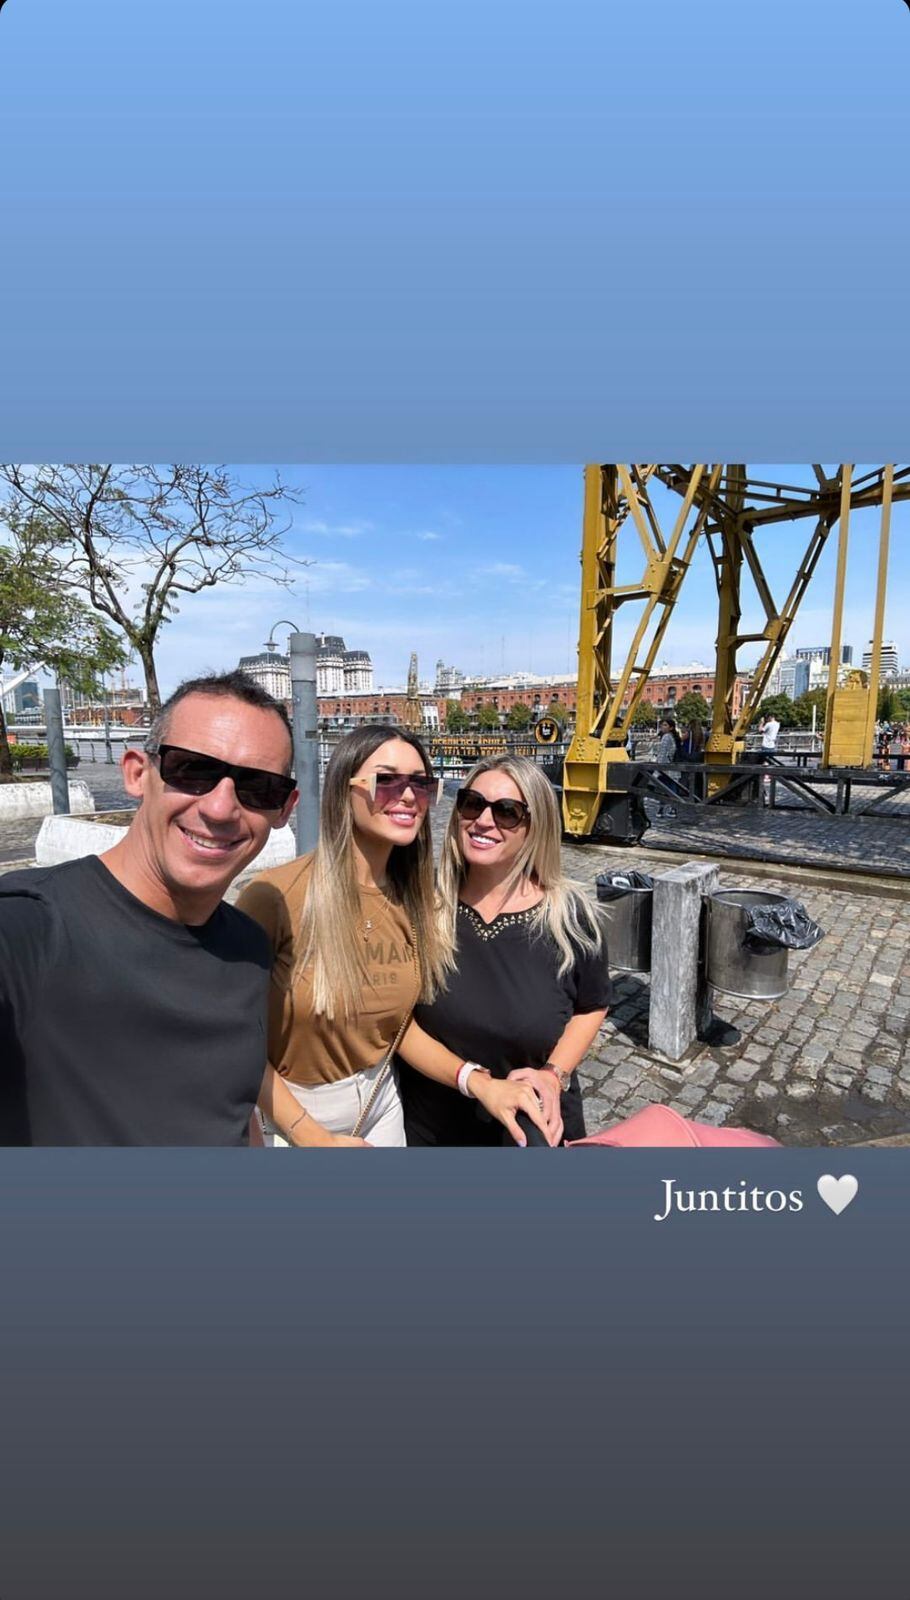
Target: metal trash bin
(627, 913)
(734, 967)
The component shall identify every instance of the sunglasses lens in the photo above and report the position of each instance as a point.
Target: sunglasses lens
(392, 785)
(263, 791)
(507, 814)
(469, 804)
(190, 773)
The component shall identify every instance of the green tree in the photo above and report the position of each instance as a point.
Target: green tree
(645, 715)
(558, 712)
(902, 696)
(488, 717)
(42, 624)
(887, 708)
(692, 708)
(802, 707)
(135, 539)
(518, 719)
(781, 707)
(456, 720)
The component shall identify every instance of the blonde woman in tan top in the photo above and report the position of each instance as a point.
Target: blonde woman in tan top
(356, 944)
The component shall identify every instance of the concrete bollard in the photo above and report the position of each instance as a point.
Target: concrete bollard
(679, 1000)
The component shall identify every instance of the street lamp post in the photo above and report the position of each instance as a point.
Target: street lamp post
(106, 705)
(302, 653)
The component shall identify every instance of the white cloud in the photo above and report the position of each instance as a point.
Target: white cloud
(336, 530)
(429, 537)
(325, 577)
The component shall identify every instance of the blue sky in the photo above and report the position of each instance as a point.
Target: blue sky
(480, 566)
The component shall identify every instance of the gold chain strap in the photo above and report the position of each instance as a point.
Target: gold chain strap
(381, 1077)
(387, 1062)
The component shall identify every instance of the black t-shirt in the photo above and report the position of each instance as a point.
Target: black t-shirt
(119, 1026)
(505, 1007)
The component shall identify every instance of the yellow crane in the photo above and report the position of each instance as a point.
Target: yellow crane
(727, 509)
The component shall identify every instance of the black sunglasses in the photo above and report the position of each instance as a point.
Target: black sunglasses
(190, 772)
(507, 814)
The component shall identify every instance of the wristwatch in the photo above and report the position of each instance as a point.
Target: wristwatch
(562, 1077)
(464, 1073)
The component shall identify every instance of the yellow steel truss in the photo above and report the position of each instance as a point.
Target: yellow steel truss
(726, 507)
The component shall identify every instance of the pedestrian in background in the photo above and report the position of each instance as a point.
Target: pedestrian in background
(769, 728)
(669, 744)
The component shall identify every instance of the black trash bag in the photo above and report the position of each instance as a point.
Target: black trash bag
(786, 926)
(612, 885)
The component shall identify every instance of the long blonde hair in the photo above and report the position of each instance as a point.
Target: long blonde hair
(564, 914)
(329, 939)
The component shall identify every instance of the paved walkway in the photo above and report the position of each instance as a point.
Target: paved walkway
(830, 1063)
(789, 836)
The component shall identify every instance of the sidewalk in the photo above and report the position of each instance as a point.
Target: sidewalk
(828, 1064)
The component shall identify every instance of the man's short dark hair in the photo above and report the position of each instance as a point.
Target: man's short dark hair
(234, 685)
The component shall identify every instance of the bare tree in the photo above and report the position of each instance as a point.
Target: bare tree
(136, 538)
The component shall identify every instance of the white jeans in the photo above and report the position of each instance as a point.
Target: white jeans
(338, 1106)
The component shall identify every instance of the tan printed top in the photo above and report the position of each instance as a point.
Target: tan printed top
(303, 1047)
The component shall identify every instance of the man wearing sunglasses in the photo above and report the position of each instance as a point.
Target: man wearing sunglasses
(132, 998)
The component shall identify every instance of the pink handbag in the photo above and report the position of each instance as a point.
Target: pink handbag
(660, 1126)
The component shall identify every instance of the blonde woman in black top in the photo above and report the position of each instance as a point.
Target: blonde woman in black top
(530, 988)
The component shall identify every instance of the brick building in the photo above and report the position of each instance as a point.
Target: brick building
(664, 689)
(353, 710)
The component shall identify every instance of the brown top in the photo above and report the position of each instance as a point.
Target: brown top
(309, 1049)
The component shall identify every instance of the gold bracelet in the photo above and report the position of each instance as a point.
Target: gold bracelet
(290, 1130)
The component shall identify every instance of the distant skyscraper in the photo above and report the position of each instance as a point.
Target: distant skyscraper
(890, 663)
(792, 677)
(26, 696)
(822, 652)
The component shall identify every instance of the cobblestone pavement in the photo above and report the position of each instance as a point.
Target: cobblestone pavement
(827, 1065)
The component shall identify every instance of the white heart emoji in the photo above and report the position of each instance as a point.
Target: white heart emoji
(837, 1192)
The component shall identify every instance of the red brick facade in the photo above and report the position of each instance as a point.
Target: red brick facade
(663, 691)
(373, 707)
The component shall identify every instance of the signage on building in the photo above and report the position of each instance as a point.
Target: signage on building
(474, 746)
(546, 731)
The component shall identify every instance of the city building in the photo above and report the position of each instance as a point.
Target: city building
(358, 672)
(890, 666)
(330, 652)
(790, 677)
(271, 670)
(448, 681)
(125, 706)
(810, 652)
(665, 687)
(338, 670)
(23, 699)
(343, 711)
